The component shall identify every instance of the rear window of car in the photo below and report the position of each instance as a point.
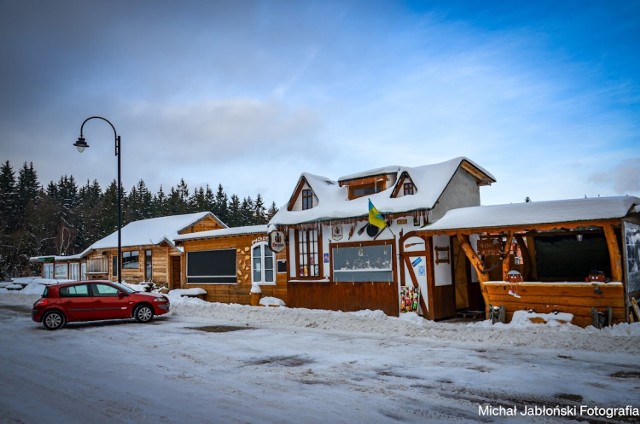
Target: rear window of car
(45, 293)
(80, 290)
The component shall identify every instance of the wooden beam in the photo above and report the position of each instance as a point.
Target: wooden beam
(431, 285)
(614, 252)
(473, 257)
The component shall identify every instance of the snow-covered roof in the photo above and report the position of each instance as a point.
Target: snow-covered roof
(333, 201)
(151, 231)
(56, 258)
(531, 213)
(233, 231)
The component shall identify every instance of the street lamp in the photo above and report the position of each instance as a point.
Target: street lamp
(81, 144)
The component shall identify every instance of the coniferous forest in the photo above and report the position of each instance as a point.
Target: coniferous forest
(64, 218)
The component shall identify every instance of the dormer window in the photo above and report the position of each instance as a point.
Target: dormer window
(364, 190)
(409, 188)
(307, 199)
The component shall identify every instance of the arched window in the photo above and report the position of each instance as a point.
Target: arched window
(262, 264)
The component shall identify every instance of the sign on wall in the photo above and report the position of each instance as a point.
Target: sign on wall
(409, 299)
(277, 241)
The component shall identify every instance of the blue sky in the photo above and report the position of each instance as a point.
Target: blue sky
(544, 95)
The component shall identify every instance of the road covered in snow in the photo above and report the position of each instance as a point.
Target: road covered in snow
(218, 363)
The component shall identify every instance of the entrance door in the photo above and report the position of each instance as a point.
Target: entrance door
(414, 269)
(175, 272)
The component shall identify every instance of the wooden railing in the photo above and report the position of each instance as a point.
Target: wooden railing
(575, 298)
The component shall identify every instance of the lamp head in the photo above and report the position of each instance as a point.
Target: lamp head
(81, 144)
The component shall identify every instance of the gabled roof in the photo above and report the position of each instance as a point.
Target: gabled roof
(536, 213)
(223, 232)
(333, 202)
(152, 231)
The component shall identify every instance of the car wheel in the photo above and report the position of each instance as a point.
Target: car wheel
(143, 313)
(53, 320)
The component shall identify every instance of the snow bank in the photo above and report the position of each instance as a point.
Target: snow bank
(271, 301)
(178, 293)
(554, 335)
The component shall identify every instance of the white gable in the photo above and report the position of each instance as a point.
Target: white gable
(333, 201)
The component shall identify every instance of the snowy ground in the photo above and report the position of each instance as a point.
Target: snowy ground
(282, 365)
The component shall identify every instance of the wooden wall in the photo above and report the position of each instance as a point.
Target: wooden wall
(574, 298)
(239, 292)
(345, 297)
(159, 258)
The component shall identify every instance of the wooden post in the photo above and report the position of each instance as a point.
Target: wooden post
(614, 252)
(506, 256)
(526, 259)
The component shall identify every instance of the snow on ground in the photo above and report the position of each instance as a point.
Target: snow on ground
(219, 363)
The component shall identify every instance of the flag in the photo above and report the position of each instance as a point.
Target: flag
(375, 218)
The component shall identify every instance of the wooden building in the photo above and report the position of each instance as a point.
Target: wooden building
(338, 260)
(228, 262)
(576, 256)
(148, 252)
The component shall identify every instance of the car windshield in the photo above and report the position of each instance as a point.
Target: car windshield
(124, 288)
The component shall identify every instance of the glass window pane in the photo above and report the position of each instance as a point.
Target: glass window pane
(362, 263)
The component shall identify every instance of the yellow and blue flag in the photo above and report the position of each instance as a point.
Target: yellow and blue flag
(375, 218)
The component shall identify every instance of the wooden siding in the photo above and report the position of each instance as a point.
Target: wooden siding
(345, 297)
(238, 292)
(574, 298)
(159, 258)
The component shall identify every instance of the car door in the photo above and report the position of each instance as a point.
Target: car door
(109, 302)
(77, 302)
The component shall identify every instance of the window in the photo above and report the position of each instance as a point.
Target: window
(62, 271)
(75, 272)
(104, 290)
(363, 263)
(363, 191)
(308, 254)
(212, 267)
(114, 267)
(307, 199)
(262, 260)
(148, 266)
(130, 260)
(408, 188)
(81, 290)
(47, 271)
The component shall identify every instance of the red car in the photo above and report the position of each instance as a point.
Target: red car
(95, 300)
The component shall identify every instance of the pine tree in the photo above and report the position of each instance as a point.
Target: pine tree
(273, 209)
(259, 211)
(221, 205)
(8, 197)
(234, 217)
(159, 204)
(8, 222)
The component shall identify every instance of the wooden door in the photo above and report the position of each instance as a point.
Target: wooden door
(414, 268)
(175, 272)
(460, 276)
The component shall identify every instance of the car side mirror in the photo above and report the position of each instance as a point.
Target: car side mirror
(121, 295)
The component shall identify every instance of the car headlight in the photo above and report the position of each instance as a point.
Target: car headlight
(161, 299)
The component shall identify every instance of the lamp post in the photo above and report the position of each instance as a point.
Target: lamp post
(81, 144)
